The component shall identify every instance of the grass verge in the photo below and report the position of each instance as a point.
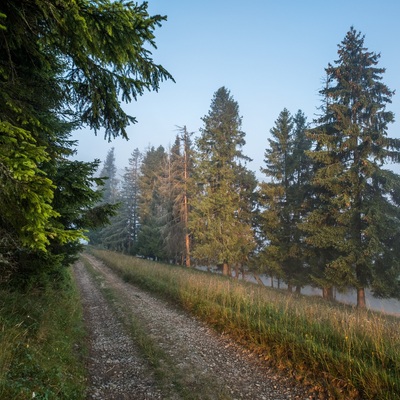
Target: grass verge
(42, 344)
(348, 352)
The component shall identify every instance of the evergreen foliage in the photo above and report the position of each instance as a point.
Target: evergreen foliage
(328, 213)
(220, 235)
(111, 234)
(130, 201)
(281, 199)
(110, 189)
(150, 241)
(63, 65)
(177, 191)
(359, 221)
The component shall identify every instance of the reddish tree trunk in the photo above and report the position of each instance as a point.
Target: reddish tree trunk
(225, 269)
(185, 202)
(327, 293)
(361, 298)
(187, 245)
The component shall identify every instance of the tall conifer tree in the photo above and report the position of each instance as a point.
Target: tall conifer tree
(109, 172)
(122, 232)
(130, 199)
(109, 236)
(151, 204)
(360, 220)
(220, 235)
(177, 189)
(281, 198)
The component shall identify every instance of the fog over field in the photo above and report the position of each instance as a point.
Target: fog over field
(389, 306)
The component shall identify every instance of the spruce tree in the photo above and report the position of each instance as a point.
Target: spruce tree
(170, 220)
(130, 200)
(281, 198)
(109, 236)
(301, 162)
(77, 201)
(187, 190)
(301, 193)
(122, 231)
(109, 172)
(359, 222)
(220, 235)
(150, 241)
(246, 186)
(177, 190)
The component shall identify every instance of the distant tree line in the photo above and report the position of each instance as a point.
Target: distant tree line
(326, 214)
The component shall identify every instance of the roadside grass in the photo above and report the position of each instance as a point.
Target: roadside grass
(349, 353)
(170, 379)
(42, 344)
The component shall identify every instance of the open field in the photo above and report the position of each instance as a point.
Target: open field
(388, 306)
(353, 353)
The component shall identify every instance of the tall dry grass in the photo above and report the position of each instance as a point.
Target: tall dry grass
(351, 353)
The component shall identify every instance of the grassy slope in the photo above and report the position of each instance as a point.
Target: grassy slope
(351, 353)
(42, 344)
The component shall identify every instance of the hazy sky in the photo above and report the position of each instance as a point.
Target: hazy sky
(270, 54)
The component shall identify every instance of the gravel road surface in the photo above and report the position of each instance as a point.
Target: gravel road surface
(200, 363)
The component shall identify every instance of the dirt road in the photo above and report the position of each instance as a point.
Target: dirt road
(144, 348)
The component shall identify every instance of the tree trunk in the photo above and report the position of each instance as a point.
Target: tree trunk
(298, 289)
(225, 269)
(289, 287)
(327, 293)
(187, 244)
(185, 199)
(361, 298)
(237, 268)
(258, 279)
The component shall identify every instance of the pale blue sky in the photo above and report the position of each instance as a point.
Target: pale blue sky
(269, 54)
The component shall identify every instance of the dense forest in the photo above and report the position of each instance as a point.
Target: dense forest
(326, 214)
